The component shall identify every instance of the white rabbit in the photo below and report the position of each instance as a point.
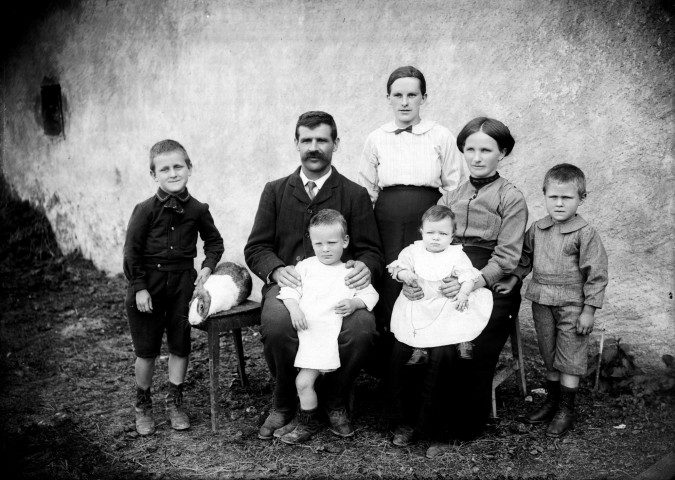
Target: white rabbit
(229, 285)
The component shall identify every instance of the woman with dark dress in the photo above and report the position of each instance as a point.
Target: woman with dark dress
(407, 165)
(491, 217)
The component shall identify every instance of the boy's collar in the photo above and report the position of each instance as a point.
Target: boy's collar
(162, 196)
(172, 201)
(572, 225)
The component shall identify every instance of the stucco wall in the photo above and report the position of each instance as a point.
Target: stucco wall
(582, 82)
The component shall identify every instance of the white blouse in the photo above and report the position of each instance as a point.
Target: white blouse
(426, 157)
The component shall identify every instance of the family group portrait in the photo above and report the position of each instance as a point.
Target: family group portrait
(315, 239)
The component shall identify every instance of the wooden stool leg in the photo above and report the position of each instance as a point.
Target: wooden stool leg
(494, 403)
(239, 344)
(517, 352)
(214, 365)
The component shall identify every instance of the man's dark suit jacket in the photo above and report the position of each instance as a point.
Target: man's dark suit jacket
(280, 233)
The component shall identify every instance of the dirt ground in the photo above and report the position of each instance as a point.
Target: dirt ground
(67, 381)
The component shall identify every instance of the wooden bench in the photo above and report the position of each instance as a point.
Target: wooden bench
(244, 315)
(515, 367)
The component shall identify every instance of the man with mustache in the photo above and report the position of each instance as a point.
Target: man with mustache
(280, 238)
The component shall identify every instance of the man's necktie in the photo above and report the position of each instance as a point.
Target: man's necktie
(310, 190)
(406, 129)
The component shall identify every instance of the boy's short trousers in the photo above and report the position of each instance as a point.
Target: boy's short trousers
(170, 293)
(562, 348)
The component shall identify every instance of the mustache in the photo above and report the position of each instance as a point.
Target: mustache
(318, 155)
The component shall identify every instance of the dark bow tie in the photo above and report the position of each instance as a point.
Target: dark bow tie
(174, 202)
(406, 129)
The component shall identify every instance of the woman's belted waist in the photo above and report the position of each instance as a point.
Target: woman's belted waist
(394, 188)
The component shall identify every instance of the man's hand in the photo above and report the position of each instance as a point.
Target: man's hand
(203, 275)
(505, 285)
(359, 277)
(286, 277)
(143, 301)
(413, 292)
(586, 320)
(450, 287)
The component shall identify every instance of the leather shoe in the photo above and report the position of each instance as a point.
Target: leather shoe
(307, 426)
(274, 421)
(562, 422)
(145, 424)
(289, 427)
(547, 410)
(339, 423)
(543, 414)
(404, 435)
(178, 418)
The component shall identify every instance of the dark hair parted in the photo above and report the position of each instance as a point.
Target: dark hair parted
(167, 146)
(566, 173)
(313, 119)
(328, 216)
(407, 72)
(438, 213)
(489, 126)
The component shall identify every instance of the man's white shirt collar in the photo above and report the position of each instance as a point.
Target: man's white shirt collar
(319, 181)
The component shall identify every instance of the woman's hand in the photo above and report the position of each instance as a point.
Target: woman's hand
(286, 277)
(450, 287)
(413, 292)
(359, 277)
(505, 285)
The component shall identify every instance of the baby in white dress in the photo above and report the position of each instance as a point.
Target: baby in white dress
(317, 307)
(436, 320)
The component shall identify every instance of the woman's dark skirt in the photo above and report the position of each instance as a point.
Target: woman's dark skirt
(398, 212)
(469, 394)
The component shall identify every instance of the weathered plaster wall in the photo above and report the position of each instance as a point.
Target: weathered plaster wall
(584, 82)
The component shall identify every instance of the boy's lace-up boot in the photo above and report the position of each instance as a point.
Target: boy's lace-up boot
(174, 407)
(308, 426)
(565, 416)
(546, 412)
(145, 424)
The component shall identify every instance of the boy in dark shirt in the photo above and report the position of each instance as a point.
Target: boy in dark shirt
(159, 252)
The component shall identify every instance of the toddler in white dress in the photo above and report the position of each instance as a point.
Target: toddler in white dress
(316, 309)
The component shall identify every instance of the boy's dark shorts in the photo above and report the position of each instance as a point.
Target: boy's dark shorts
(562, 348)
(171, 293)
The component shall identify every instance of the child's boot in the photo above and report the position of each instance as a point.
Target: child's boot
(145, 424)
(174, 407)
(546, 412)
(308, 426)
(565, 416)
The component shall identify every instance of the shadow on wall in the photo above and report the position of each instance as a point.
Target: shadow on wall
(26, 233)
